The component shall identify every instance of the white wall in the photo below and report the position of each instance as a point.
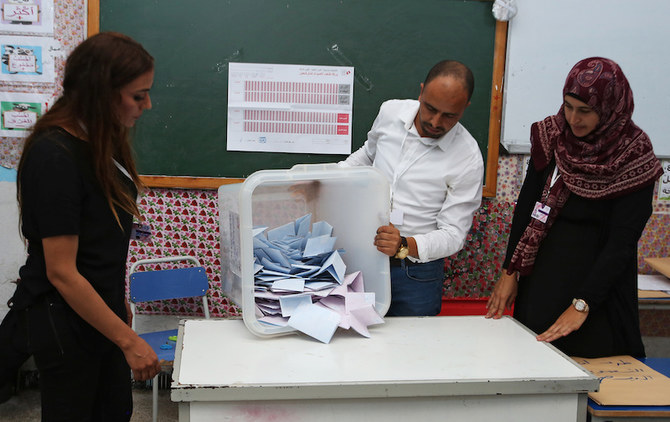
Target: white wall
(547, 37)
(12, 249)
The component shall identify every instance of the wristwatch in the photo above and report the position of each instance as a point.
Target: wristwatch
(403, 250)
(580, 305)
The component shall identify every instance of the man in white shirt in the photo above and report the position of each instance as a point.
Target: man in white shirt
(435, 169)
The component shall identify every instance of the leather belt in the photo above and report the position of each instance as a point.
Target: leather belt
(395, 262)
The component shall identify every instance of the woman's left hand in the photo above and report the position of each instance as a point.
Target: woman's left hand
(569, 321)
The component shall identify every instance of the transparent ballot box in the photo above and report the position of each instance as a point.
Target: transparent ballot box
(354, 201)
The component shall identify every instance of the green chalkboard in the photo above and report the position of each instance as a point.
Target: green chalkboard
(391, 44)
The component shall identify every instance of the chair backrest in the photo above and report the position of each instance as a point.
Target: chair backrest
(177, 283)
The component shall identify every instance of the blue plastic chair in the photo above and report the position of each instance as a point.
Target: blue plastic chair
(177, 283)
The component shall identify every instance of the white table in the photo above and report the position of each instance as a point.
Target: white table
(411, 369)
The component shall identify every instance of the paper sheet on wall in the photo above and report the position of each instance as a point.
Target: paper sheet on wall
(27, 16)
(290, 108)
(625, 381)
(20, 111)
(664, 183)
(27, 59)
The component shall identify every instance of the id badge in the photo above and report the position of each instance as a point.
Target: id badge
(396, 217)
(141, 232)
(541, 212)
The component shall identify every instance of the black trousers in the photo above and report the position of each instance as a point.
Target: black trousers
(13, 348)
(82, 377)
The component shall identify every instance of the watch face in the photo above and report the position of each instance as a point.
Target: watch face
(580, 305)
(402, 252)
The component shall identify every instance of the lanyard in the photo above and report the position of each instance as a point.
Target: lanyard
(122, 169)
(554, 178)
(542, 210)
(399, 171)
(116, 163)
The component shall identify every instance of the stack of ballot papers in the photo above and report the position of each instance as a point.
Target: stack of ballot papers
(655, 286)
(300, 281)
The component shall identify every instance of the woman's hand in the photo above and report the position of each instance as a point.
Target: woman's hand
(570, 320)
(60, 257)
(142, 359)
(503, 295)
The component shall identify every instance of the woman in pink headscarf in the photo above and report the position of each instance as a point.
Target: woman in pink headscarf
(571, 264)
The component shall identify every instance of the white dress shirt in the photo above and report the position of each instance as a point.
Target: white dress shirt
(435, 183)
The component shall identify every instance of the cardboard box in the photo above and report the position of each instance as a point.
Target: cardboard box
(662, 265)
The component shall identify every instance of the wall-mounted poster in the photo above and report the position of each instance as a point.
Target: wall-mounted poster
(19, 111)
(26, 59)
(34, 16)
(290, 108)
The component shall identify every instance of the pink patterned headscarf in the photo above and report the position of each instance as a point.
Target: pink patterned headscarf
(615, 159)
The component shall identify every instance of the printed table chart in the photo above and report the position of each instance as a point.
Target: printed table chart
(469, 368)
(290, 108)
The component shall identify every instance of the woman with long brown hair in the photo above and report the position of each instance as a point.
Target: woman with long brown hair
(77, 187)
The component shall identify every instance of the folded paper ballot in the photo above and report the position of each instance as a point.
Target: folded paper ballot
(301, 281)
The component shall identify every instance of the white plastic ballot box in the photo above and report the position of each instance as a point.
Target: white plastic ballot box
(354, 201)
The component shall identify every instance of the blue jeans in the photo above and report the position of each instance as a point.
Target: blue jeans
(416, 290)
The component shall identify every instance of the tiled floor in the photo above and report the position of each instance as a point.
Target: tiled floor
(657, 347)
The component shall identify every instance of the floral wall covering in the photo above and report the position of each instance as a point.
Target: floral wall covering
(186, 222)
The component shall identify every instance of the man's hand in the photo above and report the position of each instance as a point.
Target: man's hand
(387, 240)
